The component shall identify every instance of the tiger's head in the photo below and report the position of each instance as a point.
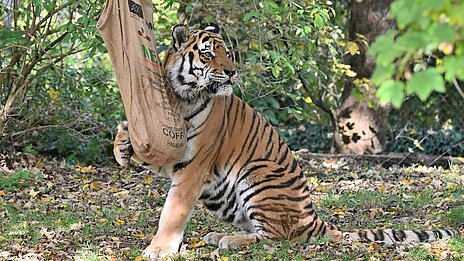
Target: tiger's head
(199, 64)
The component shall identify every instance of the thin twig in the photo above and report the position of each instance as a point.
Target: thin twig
(456, 85)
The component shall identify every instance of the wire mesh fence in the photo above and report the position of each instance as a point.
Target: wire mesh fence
(434, 127)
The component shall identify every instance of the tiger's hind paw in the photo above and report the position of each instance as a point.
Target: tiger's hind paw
(122, 147)
(213, 238)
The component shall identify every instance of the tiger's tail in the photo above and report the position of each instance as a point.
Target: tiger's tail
(396, 236)
(385, 236)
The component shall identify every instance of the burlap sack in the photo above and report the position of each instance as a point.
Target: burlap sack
(156, 127)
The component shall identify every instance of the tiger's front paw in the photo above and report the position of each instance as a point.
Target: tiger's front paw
(154, 251)
(122, 147)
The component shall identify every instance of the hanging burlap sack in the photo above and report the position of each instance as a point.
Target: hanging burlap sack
(156, 127)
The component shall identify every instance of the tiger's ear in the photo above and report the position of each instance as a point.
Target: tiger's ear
(212, 27)
(180, 35)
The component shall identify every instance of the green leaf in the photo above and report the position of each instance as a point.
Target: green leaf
(391, 92)
(319, 21)
(412, 41)
(37, 7)
(423, 83)
(405, 12)
(432, 5)
(248, 16)
(276, 71)
(442, 33)
(385, 50)
(49, 5)
(382, 73)
(453, 67)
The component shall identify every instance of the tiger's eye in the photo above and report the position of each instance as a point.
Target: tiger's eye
(208, 55)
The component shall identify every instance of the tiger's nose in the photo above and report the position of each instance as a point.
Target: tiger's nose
(230, 73)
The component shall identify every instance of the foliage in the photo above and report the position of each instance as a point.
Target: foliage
(290, 54)
(57, 90)
(35, 37)
(424, 54)
(58, 95)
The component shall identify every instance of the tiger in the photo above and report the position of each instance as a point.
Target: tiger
(235, 162)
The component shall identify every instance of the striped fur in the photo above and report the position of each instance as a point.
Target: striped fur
(236, 164)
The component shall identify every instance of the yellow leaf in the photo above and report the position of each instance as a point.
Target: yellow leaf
(2, 193)
(197, 244)
(308, 100)
(119, 222)
(350, 73)
(33, 193)
(139, 235)
(461, 159)
(352, 47)
(224, 258)
(417, 144)
(407, 181)
(122, 193)
(140, 258)
(2, 240)
(93, 185)
(148, 180)
(53, 95)
(84, 169)
(312, 180)
(339, 212)
(323, 188)
(296, 156)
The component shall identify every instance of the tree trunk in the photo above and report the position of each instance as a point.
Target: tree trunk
(7, 23)
(361, 123)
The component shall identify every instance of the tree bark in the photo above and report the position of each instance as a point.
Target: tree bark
(362, 122)
(7, 22)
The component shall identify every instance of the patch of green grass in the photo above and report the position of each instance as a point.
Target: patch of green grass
(91, 253)
(105, 222)
(27, 223)
(323, 240)
(133, 253)
(455, 216)
(419, 253)
(159, 201)
(457, 244)
(344, 257)
(362, 199)
(421, 198)
(21, 178)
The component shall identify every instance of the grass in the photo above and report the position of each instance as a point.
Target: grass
(20, 178)
(111, 214)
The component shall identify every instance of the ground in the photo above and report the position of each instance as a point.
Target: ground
(53, 210)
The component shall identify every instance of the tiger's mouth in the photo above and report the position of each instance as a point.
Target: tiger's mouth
(216, 87)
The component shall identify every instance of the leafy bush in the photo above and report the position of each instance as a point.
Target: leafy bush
(72, 113)
(424, 54)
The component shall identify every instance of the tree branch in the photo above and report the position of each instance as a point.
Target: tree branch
(317, 101)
